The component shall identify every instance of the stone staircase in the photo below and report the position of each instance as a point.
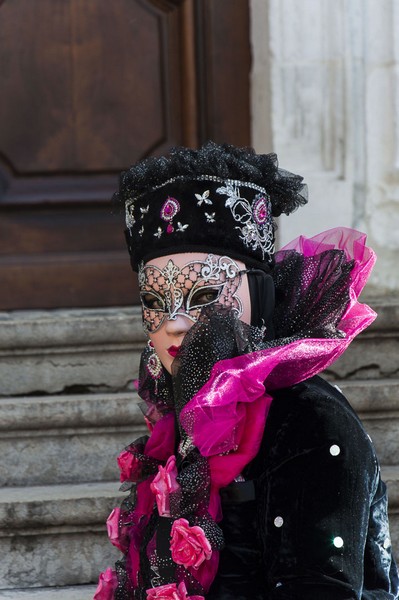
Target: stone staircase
(68, 407)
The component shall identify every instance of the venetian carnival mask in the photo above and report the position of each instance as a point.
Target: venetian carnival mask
(170, 291)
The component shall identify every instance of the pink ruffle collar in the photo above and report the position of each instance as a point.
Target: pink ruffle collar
(228, 413)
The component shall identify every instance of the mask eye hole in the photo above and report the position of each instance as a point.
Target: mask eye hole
(204, 296)
(152, 301)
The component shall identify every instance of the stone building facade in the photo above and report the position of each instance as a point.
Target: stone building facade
(325, 97)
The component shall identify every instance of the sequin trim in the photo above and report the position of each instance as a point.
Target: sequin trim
(205, 177)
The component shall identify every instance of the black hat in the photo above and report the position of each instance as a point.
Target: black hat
(218, 199)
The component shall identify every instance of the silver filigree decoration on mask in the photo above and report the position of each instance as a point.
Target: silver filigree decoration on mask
(173, 291)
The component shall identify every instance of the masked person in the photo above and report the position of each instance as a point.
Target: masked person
(258, 480)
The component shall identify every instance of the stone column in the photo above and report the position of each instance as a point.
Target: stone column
(325, 97)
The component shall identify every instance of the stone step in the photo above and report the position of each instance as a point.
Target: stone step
(76, 438)
(61, 529)
(65, 439)
(374, 353)
(76, 592)
(50, 352)
(377, 404)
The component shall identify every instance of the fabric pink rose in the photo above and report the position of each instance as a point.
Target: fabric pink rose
(189, 545)
(114, 531)
(128, 465)
(171, 591)
(107, 585)
(165, 483)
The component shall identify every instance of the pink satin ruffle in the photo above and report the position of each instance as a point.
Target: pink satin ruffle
(228, 413)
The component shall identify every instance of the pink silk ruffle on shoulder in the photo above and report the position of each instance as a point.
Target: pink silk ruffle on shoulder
(228, 414)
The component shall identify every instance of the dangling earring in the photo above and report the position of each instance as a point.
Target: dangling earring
(154, 365)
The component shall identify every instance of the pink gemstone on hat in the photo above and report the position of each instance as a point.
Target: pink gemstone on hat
(260, 211)
(170, 208)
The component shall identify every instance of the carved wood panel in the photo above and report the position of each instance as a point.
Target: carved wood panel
(82, 76)
(89, 87)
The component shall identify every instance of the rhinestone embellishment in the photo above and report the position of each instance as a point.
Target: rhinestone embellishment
(278, 522)
(154, 365)
(338, 542)
(169, 210)
(335, 450)
(260, 211)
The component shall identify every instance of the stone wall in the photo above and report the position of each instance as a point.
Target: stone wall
(325, 97)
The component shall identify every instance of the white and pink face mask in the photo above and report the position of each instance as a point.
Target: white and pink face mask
(170, 291)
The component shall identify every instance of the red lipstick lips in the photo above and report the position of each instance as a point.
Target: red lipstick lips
(173, 350)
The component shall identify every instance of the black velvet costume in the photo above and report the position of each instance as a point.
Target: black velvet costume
(319, 497)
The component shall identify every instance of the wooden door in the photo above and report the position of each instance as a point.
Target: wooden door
(87, 88)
